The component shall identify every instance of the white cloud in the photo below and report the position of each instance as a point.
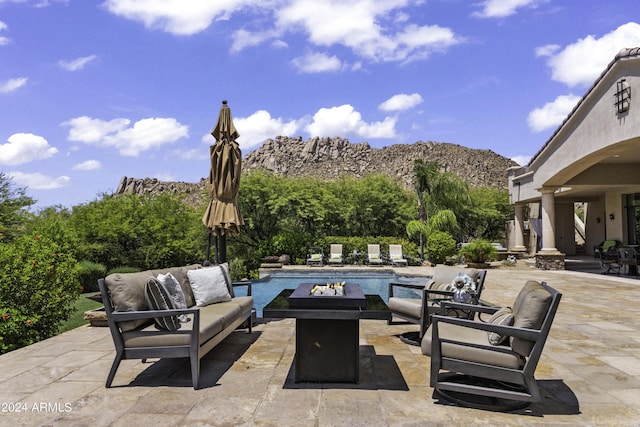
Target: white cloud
(25, 147)
(345, 120)
(174, 17)
(144, 135)
(260, 126)
(77, 64)
(552, 114)
(582, 62)
(366, 27)
(504, 8)
(12, 84)
(521, 160)
(195, 153)
(4, 40)
(401, 102)
(87, 165)
(317, 63)
(243, 39)
(373, 29)
(38, 181)
(546, 50)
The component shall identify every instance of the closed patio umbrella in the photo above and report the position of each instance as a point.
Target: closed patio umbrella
(222, 216)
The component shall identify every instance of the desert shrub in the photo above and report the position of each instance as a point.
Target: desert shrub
(478, 251)
(38, 288)
(440, 246)
(89, 274)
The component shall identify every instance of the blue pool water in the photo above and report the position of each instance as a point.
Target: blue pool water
(265, 289)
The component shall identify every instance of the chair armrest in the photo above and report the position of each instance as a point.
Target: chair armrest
(404, 285)
(512, 331)
(246, 283)
(122, 316)
(478, 308)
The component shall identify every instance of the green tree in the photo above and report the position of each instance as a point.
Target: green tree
(486, 215)
(13, 208)
(286, 215)
(139, 231)
(38, 287)
(440, 195)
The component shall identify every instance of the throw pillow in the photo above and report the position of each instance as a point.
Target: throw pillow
(175, 292)
(503, 317)
(158, 298)
(227, 277)
(208, 286)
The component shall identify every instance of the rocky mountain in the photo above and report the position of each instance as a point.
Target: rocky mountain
(329, 158)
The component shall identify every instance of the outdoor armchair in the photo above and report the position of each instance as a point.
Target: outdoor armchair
(609, 260)
(496, 358)
(427, 298)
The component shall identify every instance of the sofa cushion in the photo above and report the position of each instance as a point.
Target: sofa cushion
(159, 298)
(529, 309)
(127, 291)
(175, 292)
(208, 285)
(504, 317)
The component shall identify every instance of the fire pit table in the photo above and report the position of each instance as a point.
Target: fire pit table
(327, 329)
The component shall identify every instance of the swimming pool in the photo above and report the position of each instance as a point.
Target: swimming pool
(265, 289)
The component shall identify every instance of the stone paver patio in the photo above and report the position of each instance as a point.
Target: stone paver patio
(589, 373)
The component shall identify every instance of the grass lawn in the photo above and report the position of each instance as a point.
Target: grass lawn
(76, 318)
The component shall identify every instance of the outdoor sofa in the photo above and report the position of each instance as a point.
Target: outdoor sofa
(174, 312)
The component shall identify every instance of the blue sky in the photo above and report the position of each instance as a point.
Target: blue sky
(91, 91)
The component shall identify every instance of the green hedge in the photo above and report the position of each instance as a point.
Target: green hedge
(38, 288)
(90, 272)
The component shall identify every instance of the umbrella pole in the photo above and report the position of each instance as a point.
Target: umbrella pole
(207, 258)
(223, 248)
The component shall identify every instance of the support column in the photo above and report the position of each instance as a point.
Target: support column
(548, 213)
(549, 257)
(518, 232)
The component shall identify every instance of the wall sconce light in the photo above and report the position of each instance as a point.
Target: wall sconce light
(612, 216)
(598, 220)
(622, 96)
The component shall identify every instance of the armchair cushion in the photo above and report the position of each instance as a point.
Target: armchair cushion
(471, 345)
(446, 274)
(529, 310)
(504, 317)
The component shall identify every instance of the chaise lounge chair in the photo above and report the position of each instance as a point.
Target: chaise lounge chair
(335, 255)
(396, 257)
(373, 255)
